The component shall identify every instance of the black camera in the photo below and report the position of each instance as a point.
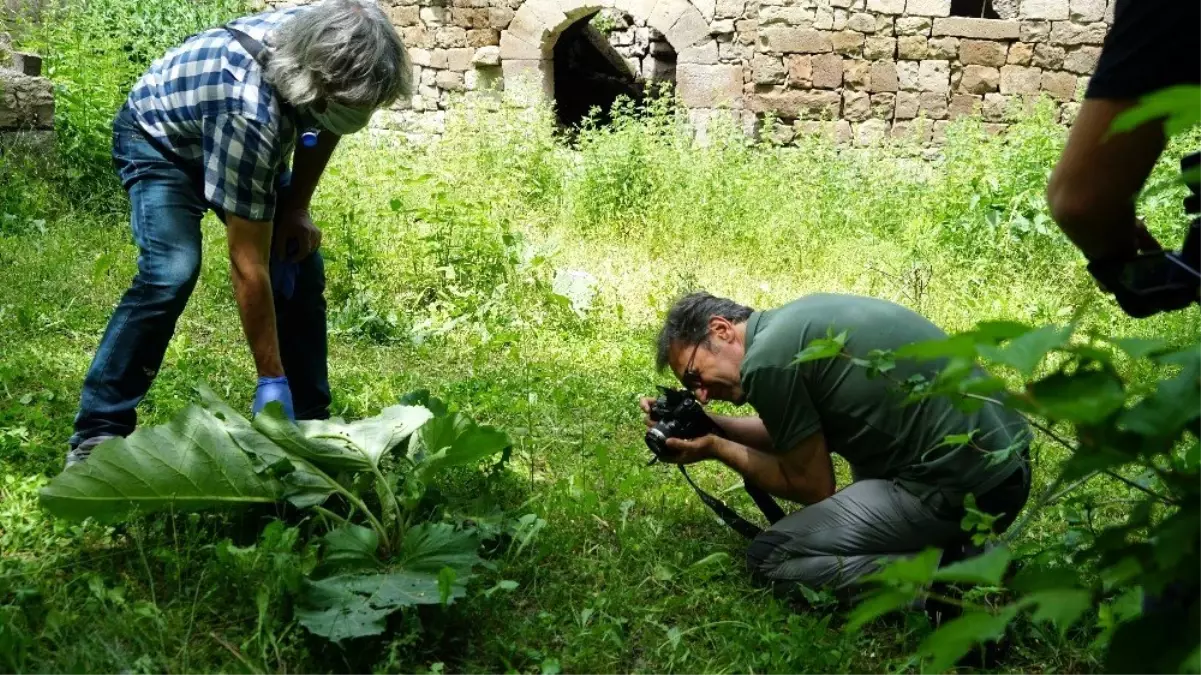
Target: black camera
(677, 414)
(1162, 281)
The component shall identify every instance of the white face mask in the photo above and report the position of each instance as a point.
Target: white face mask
(341, 119)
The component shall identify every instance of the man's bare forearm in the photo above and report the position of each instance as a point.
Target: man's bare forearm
(768, 473)
(256, 305)
(748, 431)
(308, 164)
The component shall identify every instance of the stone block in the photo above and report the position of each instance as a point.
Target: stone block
(794, 40)
(1086, 11)
(26, 102)
(767, 69)
(1082, 60)
(404, 16)
(512, 47)
(839, 131)
(439, 59)
(871, 133)
(886, 25)
(459, 58)
(883, 105)
(688, 30)
(827, 71)
(981, 29)
(701, 86)
(527, 81)
(746, 31)
(468, 17)
(722, 27)
(1059, 86)
(964, 105)
(888, 6)
(907, 75)
(450, 36)
(1110, 8)
(703, 53)
(856, 106)
(1048, 56)
(486, 56)
(1081, 87)
(1067, 115)
(847, 43)
(934, 76)
(1020, 54)
(434, 16)
(932, 8)
(916, 131)
(1035, 31)
(788, 16)
(419, 57)
(913, 25)
(482, 37)
(939, 135)
(862, 23)
(450, 80)
(884, 77)
(792, 104)
(1052, 10)
(729, 52)
(979, 79)
(912, 48)
(982, 53)
(417, 36)
(664, 15)
(907, 105)
(823, 18)
(857, 74)
(1020, 80)
(932, 105)
(879, 47)
(1067, 33)
(841, 18)
(996, 107)
(946, 48)
(729, 9)
(499, 17)
(800, 70)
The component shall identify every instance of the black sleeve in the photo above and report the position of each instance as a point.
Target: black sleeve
(1152, 44)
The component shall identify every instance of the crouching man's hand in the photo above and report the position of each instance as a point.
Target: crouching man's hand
(692, 450)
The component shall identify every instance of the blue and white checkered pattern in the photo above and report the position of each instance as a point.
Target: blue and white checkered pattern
(207, 102)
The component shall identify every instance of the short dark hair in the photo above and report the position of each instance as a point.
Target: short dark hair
(688, 321)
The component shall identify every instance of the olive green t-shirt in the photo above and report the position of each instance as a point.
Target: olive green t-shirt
(865, 420)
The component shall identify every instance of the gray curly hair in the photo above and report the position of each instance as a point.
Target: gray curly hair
(340, 50)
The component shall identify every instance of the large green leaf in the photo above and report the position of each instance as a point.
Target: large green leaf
(453, 440)
(337, 445)
(356, 605)
(1060, 606)
(883, 601)
(918, 569)
(188, 464)
(1086, 397)
(1175, 402)
(349, 548)
(953, 639)
(1176, 106)
(987, 568)
(429, 547)
(1026, 351)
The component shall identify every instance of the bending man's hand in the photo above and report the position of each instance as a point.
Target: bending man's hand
(691, 450)
(295, 225)
(273, 389)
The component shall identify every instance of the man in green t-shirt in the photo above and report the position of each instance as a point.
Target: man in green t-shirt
(909, 480)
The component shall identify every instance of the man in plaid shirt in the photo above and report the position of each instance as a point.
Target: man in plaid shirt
(212, 125)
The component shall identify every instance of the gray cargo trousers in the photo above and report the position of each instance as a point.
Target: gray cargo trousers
(834, 542)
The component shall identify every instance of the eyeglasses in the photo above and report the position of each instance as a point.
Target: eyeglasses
(690, 378)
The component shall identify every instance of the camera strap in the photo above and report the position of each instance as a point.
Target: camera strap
(771, 510)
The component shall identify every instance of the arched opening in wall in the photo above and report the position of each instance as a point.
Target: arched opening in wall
(977, 9)
(605, 55)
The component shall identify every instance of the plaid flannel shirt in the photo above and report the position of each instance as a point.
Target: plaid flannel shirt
(207, 103)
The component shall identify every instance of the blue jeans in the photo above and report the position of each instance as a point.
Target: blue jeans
(167, 204)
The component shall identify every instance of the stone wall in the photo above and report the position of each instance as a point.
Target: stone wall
(859, 70)
(26, 98)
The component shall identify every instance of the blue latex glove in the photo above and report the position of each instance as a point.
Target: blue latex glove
(273, 389)
(284, 273)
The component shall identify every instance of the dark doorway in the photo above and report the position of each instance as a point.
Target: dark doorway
(979, 9)
(604, 56)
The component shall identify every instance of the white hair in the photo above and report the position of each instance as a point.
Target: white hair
(339, 50)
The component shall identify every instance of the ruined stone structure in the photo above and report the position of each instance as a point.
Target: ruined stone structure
(26, 98)
(859, 70)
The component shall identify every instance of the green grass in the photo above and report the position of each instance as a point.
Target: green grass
(440, 259)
